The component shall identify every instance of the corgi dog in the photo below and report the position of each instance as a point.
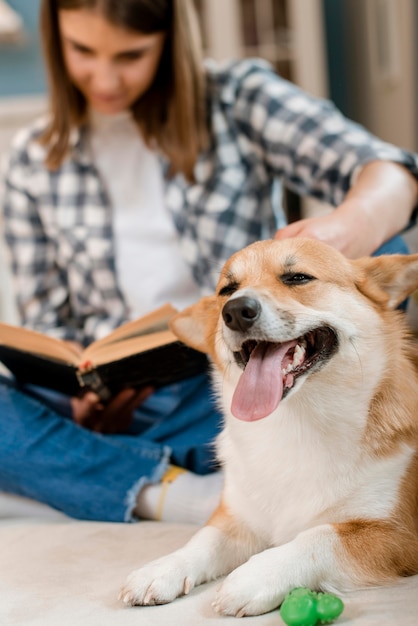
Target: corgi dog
(315, 373)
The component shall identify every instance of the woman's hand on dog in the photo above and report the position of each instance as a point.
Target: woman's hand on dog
(334, 229)
(111, 418)
(366, 218)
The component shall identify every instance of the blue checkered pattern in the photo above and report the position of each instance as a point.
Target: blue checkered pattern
(264, 130)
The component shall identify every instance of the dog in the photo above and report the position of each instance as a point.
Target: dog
(315, 373)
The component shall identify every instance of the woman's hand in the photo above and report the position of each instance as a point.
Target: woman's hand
(114, 417)
(376, 208)
(342, 229)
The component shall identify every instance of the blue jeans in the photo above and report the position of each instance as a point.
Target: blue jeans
(44, 455)
(396, 245)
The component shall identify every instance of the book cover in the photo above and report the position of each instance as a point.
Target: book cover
(142, 352)
(157, 367)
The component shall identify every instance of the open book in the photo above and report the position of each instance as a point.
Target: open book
(138, 353)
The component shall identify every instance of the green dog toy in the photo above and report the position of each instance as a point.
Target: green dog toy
(303, 607)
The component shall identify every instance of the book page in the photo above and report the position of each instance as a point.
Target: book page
(26, 340)
(136, 336)
(152, 322)
(106, 353)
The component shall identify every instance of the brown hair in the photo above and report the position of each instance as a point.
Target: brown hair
(172, 111)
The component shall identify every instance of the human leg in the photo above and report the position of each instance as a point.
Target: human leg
(189, 426)
(184, 417)
(396, 245)
(87, 475)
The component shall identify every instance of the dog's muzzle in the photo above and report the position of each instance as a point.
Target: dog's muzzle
(271, 368)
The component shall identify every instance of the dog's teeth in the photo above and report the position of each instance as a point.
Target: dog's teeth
(299, 355)
(298, 358)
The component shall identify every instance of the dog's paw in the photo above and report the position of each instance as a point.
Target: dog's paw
(247, 592)
(159, 582)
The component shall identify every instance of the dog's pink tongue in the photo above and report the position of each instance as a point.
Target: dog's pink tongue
(260, 387)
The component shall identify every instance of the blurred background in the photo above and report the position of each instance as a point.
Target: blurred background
(362, 54)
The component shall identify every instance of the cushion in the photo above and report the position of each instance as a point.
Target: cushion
(69, 574)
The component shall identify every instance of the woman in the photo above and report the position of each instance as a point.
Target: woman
(151, 169)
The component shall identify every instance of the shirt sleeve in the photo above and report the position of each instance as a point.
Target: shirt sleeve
(40, 287)
(304, 140)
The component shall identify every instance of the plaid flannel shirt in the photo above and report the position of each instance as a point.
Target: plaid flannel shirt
(58, 224)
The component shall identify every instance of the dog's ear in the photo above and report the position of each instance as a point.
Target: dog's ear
(195, 324)
(388, 279)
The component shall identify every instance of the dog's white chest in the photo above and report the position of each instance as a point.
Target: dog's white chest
(272, 476)
(284, 476)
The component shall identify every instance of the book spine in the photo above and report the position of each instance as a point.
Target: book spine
(90, 379)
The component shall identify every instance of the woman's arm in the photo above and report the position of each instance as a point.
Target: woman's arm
(315, 150)
(377, 207)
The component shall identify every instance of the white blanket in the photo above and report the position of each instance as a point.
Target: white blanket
(69, 574)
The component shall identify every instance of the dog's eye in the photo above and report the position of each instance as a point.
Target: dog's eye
(228, 290)
(296, 278)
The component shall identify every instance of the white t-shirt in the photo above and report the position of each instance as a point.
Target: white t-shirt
(151, 270)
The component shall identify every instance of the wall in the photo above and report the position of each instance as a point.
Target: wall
(21, 71)
(22, 85)
(372, 63)
(22, 79)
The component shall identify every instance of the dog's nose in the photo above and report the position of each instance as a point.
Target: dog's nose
(241, 313)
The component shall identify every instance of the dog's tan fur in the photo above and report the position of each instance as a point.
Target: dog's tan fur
(350, 428)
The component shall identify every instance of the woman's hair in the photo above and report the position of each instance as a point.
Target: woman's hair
(172, 111)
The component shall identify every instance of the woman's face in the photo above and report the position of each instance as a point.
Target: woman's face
(111, 66)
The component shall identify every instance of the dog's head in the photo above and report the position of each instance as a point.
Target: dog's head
(284, 309)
